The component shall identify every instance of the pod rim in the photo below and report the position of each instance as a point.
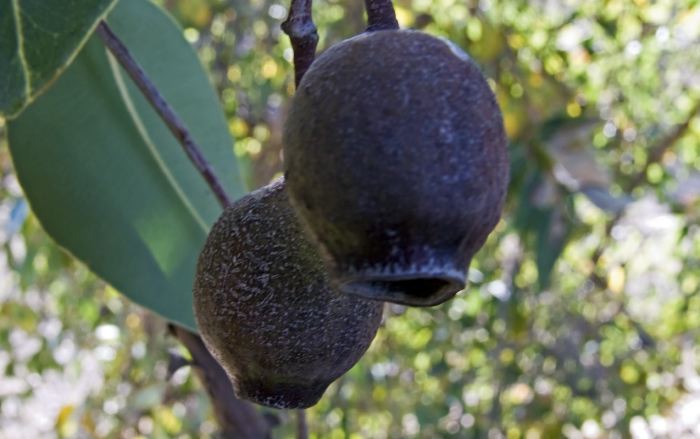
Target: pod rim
(422, 289)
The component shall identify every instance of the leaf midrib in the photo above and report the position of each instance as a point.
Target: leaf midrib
(152, 149)
(16, 13)
(30, 92)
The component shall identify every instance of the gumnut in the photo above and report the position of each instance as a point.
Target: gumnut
(265, 308)
(396, 162)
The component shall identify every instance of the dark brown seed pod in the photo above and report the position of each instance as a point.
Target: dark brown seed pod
(396, 161)
(265, 309)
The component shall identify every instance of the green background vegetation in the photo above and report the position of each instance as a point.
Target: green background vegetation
(583, 314)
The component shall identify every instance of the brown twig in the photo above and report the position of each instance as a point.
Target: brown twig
(656, 153)
(236, 418)
(302, 425)
(300, 28)
(380, 15)
(164, 110)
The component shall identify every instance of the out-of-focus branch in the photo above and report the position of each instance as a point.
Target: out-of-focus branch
(236, 418)
(164, 110)
(302, 425)
(300, 28)
(656, 153)
(380, 15)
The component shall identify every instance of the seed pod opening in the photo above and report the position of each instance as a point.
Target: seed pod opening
(265, 308)
(396, 161)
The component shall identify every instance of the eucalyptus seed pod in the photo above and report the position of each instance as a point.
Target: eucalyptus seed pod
(265, 309)
(396, 162)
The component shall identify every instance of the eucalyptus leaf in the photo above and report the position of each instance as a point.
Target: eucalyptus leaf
(38, 39)
(109, 182)
(541, 222)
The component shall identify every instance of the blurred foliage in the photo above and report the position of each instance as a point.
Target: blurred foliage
(583, 314)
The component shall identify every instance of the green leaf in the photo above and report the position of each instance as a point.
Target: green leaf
(543, 226)
(38, 39)
(552, 233)
(107, 179)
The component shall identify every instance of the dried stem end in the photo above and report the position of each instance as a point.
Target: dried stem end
(381, 15)
(300, 28)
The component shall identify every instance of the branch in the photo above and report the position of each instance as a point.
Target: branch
(237, 418)
(164, 110)
(302, 425)
(381, 15)
(300, 28)
(656, 153)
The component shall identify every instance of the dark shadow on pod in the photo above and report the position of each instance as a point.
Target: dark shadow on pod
(266, 311)
(396, 162)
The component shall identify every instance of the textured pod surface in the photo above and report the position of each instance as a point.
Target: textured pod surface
(265, 309)
(396, 162)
